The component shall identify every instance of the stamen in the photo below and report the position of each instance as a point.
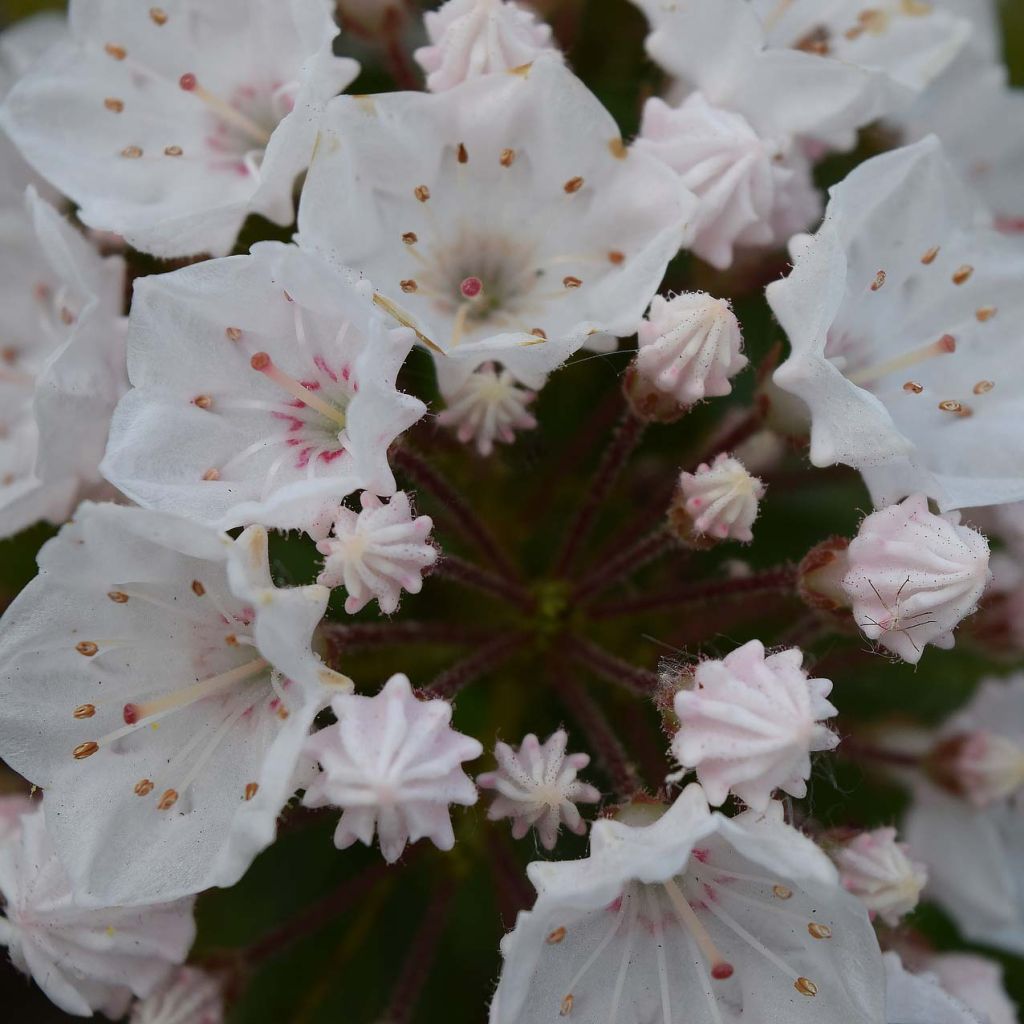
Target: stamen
(617, 148)
(198, 589)
(508, 157)
(84, 711)
(471, 287)
(754, 943)
(131, 152)
(962, 273)
(212, 474)
(985, 313)
(602, 945)
(819, 931)
(462, 154)
(233, 333)
(781, 892)
(573, 185)
(929, 257)
(944, 346)
(805, 987)
(112, 103)
(189, 83)
(168, 800)
(421, 192)
(616, 257)
(952, 405)
(983, 387)
(572, 282)
(173, 151)
(143, 787)
(720, 967)
(566, 1006)
(555, 937)
(115, 51)
(251, 789)
(84, 750)
(913, 388)
(158, 15)
(87, 648)
(202, 401)
(627, 954)
(410, 238)
(262, 363)
(409, 286)
(406, 321)
(118, 596)
(878, 281)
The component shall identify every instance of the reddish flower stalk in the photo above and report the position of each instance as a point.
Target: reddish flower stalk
(611, 668)
(659, 542)
(459, 570)
(484, 660)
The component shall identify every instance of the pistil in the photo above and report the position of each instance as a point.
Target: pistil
(262, 363)
(224, 110)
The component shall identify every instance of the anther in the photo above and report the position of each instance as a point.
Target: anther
(197, 588)
(168, 800)
(913, 388)
(566, 1008)
(983, 387)
(508, 157)
(616, 257)
(262, 362)
(143, 787)
(985, 313)
(780, 892)
(951, 405)
(805, 987)
(158, 15)
(462, 154)
(86, 648)
(114, 104)
(131, 152)
(929, 257)
(211, 474)
(573, 185)
(202, 401)
(878, 281)
(233, 333)
(617, 148)
(118, 596)
(539, 332)
(115, 51)
(173, 151)
(231, 640)
(84, 711)
(409, 286)
(572, 282)
(555, 937)
(84, 750)
(410, 238)
(471, 287)
(819, 931)
(251, 789)
(421, 192)
(961, 274)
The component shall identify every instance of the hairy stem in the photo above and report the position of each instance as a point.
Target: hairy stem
(659, 542)
(610, 667)
(485, 659)
(345, 636)
(459, 570)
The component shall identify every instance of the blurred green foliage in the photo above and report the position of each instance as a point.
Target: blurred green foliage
(347, 969)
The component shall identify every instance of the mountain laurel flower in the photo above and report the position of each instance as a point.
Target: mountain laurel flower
(878, 870)
(504, 219)
(899, 323)
(392, 762)
(689, 347)
(171, 129)
(61, 363)
(912, 576)
(377, 553)
(749, 723)
(923, 999)
(83, 958)
(189, 996)
(264, 391)
(728, 915)
(479, 37)
(12, 808)
(159, 687)
(977, 982)
(488, 406)
(537, 787)
(718, 502)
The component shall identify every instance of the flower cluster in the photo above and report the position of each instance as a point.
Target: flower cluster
(320, 408)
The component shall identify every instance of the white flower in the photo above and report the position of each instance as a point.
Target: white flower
(61, 363)
(264, 392)
(879, 872)
(170, 124)
(479, 37)
(748, 186)
(912, 576)
(750, 722)
(920, 999)
(377, 552)
(83, 958)
(159, 687)
(694, 917)
(488, 406)
(902, 323)
(689, 347)
(190, 996)
(977, 982)
(393, 763)
(11, 810)
(505, 218)
(722, 498)
(537, 787)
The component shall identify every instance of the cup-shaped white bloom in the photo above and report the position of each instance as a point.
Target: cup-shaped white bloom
(170, 124)
(488, 406)
(378, 552)
(689, 347)
(61, 363)
(921, 999)
(264, 391)
(190, 996)
(746, 185)
(901, 313)
(393, 764)
(505, 218)
(977, 982)
(537, 787)
(879, 871)
(749, 723)
(159, 687)
(83, 958)
(479, 37)
(722, 498)
(913, 575)
(695, 917)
